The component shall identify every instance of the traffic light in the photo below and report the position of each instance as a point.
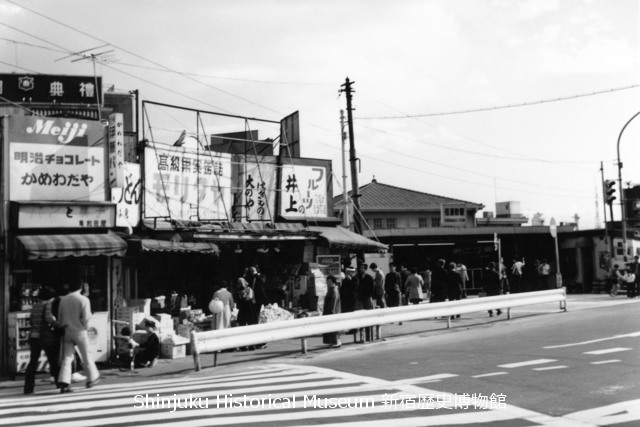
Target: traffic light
(609, 190)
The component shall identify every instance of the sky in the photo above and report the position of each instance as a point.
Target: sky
(478, 100)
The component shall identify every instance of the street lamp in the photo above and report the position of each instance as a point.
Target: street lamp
(622, 200)
(553, 229)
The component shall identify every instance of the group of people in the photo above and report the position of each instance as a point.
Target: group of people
(59, 326)
(629, 279)
(248, 296)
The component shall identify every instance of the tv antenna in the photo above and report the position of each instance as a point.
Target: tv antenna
(93, 54)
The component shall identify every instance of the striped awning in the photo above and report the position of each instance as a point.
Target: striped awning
(343, 238)
(170, 246)
(65, 245)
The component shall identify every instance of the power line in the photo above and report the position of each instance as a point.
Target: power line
(501, 107)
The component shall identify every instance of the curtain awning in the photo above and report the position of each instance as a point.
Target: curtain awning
(341, 237)
(170, 246)
(65, 245)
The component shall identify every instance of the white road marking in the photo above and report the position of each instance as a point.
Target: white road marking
(491, 374)
(618, 413)
(600, 362)
(527, 363)
(607, 350)
(615, 337)
(549, 368)
(428, 379)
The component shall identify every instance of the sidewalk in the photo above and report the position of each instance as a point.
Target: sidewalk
(290, 350)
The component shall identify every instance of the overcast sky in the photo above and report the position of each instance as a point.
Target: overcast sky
(412, 61)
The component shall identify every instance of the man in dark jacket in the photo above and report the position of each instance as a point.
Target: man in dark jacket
(439, 282)
(365, 293)
(491, 284)
(392, 287)
(348, 291)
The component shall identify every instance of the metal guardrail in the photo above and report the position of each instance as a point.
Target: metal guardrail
(214, 341)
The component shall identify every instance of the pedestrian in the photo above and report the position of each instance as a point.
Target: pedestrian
(404, 275)
(454, 284)
(461, 269)
(426, 278)
(491, 284)
(378, 286)
(348, 291)
(439, 280)
(504, 278)
(365, 294)
(414, 286)
(147, 353)
(516, 275)
(392, 287)
(43, 335)
(632, 287)
(365, 287)
(331, 306)
(544, 270)
(257, 284)
(76, 365)
(246, 307)
(222, 320)
(615, 279)
(74, 314)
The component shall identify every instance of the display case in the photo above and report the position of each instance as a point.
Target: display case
(19, 353)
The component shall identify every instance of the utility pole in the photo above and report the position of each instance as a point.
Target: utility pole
(345, 197)
(355, 194)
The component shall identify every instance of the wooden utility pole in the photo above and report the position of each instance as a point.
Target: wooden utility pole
(355, 195)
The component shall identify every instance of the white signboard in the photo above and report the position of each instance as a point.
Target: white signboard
(453, 215)
(183, 184)
(116, 150)
(303, 191)
(56, 159)
(259, 192)
(67, 215)
(127, 198)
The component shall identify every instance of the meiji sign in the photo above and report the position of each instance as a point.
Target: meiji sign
(56, 130)
(56, 159)
(64, 134)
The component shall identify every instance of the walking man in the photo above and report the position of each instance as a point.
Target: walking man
(74, 313)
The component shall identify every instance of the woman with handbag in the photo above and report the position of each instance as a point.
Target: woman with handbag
(44, 335)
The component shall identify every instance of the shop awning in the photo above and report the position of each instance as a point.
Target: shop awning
(341, 237)
(65, 245)
(170, 246)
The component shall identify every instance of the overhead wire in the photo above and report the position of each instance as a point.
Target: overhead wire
(501, 107)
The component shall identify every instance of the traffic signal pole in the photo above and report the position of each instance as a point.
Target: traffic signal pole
(622, 201)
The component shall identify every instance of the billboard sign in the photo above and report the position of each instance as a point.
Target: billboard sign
(304, 189)
(56, 159)
(51, 88)
(259, 191)
(186, 184)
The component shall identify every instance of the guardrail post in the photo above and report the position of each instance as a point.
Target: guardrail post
(194, 351)
(303, 343)
(379, 332)
(508, 313)
(448, 322)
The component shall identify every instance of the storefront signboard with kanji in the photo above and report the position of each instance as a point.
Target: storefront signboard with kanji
(56, 159)
(186, 184)
(304, 190)
(259, 191)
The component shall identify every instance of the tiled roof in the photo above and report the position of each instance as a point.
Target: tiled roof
(382, 197)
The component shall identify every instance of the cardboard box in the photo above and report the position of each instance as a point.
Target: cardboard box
(171, 351)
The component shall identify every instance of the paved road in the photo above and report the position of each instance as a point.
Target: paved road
(541, 368)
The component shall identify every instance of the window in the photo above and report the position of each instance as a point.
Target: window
(435, 222)
(378, 223)
(423, 222)
(391, 223)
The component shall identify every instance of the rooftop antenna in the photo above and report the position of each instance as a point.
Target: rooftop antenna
(104, 58)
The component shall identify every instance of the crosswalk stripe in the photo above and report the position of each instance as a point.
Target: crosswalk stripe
(527, 363)
(291, 393)
(607, 350)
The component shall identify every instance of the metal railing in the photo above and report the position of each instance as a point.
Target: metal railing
(214, 341)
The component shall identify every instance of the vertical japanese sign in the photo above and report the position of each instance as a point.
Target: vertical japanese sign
(56, 159)
(184, 184)
(116, 150)
(303, 191)
(127, 198)
(259, 192)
